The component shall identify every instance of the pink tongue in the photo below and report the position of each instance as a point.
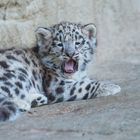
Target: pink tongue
(69, 66)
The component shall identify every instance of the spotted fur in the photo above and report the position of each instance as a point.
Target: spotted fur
(20, 82)
(53, 71)
(62, 43)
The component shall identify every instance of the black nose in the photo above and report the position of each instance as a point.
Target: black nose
(70, 54)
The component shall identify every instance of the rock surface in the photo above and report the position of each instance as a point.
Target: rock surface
(113, 117)
(117, 59)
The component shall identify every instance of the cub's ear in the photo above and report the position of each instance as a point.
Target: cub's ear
(43, 36)
(89, 30)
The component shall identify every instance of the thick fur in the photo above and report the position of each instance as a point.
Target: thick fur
(53, 71)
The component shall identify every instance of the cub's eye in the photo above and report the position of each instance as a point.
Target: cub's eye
(53, 43)
(77, 43)
(60, 44)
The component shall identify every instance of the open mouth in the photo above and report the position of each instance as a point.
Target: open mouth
(70, 66)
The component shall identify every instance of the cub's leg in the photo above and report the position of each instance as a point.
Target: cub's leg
(90, 89)
(38, 100)
(85, 89)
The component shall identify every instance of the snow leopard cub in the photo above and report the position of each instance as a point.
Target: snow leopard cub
(52, 71)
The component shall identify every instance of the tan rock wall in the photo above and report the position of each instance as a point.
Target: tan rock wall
(117, 22)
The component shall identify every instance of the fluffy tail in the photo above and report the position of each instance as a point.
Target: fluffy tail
(8, 109)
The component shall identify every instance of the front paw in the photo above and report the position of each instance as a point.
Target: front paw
(107, 88)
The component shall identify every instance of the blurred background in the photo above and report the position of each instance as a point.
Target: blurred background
(118, 32)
